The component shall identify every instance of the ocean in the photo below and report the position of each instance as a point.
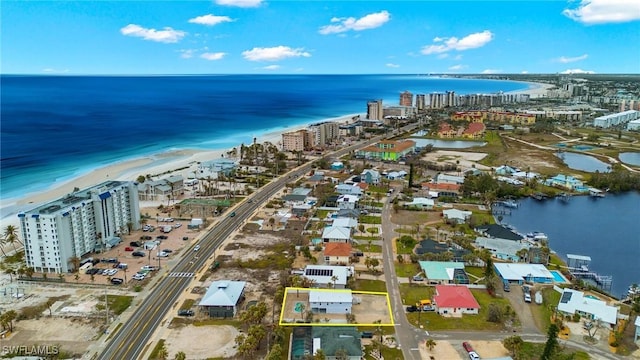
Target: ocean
(606, 229)
(56, 128)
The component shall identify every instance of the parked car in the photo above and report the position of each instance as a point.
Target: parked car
(418, 278)
(163, 254)
(177, 225)
(162, 237)
(93, 271)
(145, 237)
(128, 248)
(169, 251)
(148, 267)
(183, 312)
(473, 355)
(367, 335)
(168, 219)
(117, 281)
(467, 346)
(139, 276)
(123, 266)
(135, 244)
(527, 298)
(232, 214)
(138, 254)
(109, 260)
(185, 238)
(506, 287)
(412, 308)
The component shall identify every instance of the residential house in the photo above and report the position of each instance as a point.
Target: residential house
(637, 324)
(162, 189)
(347, 201)
(429, 246)
(442, 190)
(444, 272)
(297, 196)
(521, 273)
(350, 213)
(337, 165)
(330, 302)
(336, 234)
(449, 179)
(420, 203)
(337, 342)
(328, 276)
(346, 189)
(395, 175)
(498, 231)
(388, 150)
(506, 170)
(446, 131)
(456, 216)
(370, 176)
(216, 167)
(575, 302)
(566, 182)
(454, 301)
(474, 130)
(222, 298)
(336, 253)
(501, 248)
(346, 222)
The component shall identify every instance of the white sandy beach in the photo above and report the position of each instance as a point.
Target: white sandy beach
(162, 163)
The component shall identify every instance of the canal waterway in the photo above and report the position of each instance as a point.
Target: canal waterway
(606, 229)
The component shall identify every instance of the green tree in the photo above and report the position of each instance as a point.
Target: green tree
(163, 353)
(319, 355)
(276, 353)
(7, 318)
(430, 344)
(11, 236)
(551, 345)
(180, 355)
(513, 344)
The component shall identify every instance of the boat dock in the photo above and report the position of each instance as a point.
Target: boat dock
(578, 266)
(596, 192)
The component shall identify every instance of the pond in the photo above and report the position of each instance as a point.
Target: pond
(631, 158)
(447, 144)
(583, 162)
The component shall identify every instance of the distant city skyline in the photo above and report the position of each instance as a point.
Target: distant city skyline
(320, 37)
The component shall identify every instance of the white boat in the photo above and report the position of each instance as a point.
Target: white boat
(537, 236)
(633, 290)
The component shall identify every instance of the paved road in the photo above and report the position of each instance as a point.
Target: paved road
(133, 337)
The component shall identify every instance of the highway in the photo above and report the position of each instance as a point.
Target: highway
(131, 339)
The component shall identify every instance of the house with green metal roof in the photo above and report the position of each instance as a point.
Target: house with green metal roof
(443, 272)
(337, 342)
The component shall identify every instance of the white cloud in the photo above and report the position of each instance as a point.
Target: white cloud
(167, 35)
(458, 57)
(604, 11)
(366, 22)
(470, 41)
(491, 71)
(577, 71)
(457, 67)
(210, 20)
(55, 71)
(443, 56)
(213, 56)
(271, 67)
(438, 39)
(524, 72)
(274, 53)
(392, 65)
(239, 3)
(565, 60)
(186, 53)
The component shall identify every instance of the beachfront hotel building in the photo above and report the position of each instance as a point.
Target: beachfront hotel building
(406, 99)
(324, 133)
(299, 140)
(387, 150)
(374, 110)
(77, 224)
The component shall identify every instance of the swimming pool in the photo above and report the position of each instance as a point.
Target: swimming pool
(591, 297)
(557, 276)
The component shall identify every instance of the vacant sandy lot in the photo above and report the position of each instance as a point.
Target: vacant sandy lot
(464, 159)
(489, 349)
(47, 331)
(444, 350)
(203, 342)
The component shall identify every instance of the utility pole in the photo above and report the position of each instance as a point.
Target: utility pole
(106, 307)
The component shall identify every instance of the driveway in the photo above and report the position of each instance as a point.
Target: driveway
(523, 309)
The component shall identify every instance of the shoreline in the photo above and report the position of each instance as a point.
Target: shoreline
(130, 168)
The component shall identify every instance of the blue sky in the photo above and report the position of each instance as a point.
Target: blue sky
(319, 37)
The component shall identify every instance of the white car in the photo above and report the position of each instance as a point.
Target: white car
(148, 268)
(474, 355)
(163, 254)
(138, 276)
(177, 225)
(196, 248)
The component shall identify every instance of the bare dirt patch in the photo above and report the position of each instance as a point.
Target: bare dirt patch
(489, 349)
(406, 217)
(76, 337)
(442, 351)
(197, 342)
(465, 160)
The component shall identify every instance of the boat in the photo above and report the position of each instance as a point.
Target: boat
(538, 298)
(564, 197)
(537, 236)
(510, 204)
(634, 290)
(539, 196)
(596, 193)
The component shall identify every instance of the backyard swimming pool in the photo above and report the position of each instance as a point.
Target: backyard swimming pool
(557, 276)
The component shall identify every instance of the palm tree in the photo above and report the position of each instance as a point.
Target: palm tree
(430, 344)
(180, 355)
(163, 354)
(11, 236)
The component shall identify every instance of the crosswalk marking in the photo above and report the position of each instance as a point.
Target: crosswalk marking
(181, 274)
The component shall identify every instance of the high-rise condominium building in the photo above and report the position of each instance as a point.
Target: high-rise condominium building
(374, 110)
(299, 140)
(406, 99)
(323, 133)
(421, 102)
(77, 224)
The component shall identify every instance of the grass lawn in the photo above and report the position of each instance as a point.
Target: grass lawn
(235, 323)
(406, 269)
(156, 350)
(322, 214)
(373, 230)
(532, 351)
(370, 219)
(475, 271)
(433, 321)
(187, 304)
(542, 314)
(371, 285)
(387, 353)
(118, 303)
(402, 249)
(483, 217)
(367, 248)
(413, 294)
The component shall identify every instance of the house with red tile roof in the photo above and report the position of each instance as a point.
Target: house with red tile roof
(475, 130)
(443, 189)
(446, 131)
(337, 253)
(454, 301)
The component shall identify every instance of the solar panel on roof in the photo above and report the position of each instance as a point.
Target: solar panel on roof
(566, 297)
(319, 272)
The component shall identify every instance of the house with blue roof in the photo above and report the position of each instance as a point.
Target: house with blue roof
(370, 176)
(222, 298)
(444, 272)
(565, 182)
